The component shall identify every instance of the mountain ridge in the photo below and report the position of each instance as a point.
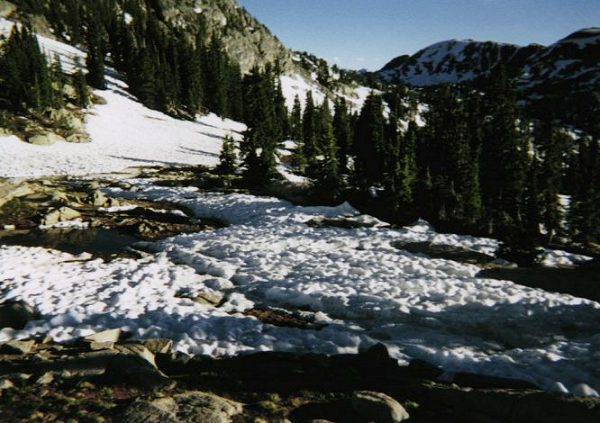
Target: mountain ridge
(573, 58)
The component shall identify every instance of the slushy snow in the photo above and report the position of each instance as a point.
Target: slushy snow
(353, 280)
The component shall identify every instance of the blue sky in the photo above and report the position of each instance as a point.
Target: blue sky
(368, 33)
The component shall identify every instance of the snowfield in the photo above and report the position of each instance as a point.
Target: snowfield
(124, 133)
(352, 280)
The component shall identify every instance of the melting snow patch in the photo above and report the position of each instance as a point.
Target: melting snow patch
(366, 291)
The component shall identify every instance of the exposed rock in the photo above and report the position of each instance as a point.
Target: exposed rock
(45, 379)
(78, 138)
(201, 407)
(110, 335)
(6, 8)
(202, 297)
(98, 198)
(362, 221)
(99, 346)
(161, 410)
(135, 364)
(17, 347)
(62, 214)
(9, 191)
(447, 252)
(378, 407)
(6, 384)
(45, 138)
(16, 314)
(189, 407)
(158, 345)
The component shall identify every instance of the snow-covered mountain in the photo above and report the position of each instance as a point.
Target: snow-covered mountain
(573, 61)
(450, 61)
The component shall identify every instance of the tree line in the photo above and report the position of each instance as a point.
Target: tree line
(476, 164)
(29, 83)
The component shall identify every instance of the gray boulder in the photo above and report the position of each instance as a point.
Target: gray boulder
(135, 364)
(190, 407)
(201, 407)
(162, 410)
(378, 407)
(16, 314)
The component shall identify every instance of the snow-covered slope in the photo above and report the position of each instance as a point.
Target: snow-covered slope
(124, 133)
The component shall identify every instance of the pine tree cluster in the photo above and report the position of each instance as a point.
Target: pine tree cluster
(28, 83)
(168, 68)
(476, 164)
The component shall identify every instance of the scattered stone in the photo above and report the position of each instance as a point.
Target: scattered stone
(9, 191)
(280, 317)
(106, 336)
(62, 214)
(362, 221)
(45, 138)
(45, 379)
(447, 252)
(209, 298)
(98, 198)
(16, 314)
(78, 138)
(17, 347)
(6, 384)
(378, 407)
(158, 345)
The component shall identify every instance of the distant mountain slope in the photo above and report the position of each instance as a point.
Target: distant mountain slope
(572, 63)
(449, 61)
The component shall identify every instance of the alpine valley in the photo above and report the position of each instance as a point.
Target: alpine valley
(198, 224)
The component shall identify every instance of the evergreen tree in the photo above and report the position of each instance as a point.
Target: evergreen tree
(25, 79)
(95, 53)
(503, 153)
(228, 157)
(296, 121)
(584, 213)
(310, 150)
(551, 146)
(327, 174)
(343, 133)
(407, 168)
(80, 85)
(281, 112)
(190, 72)
(215, 77)
(369, 142)
(260, 142)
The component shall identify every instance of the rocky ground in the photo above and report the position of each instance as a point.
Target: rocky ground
(109, 377)
(105, 378)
